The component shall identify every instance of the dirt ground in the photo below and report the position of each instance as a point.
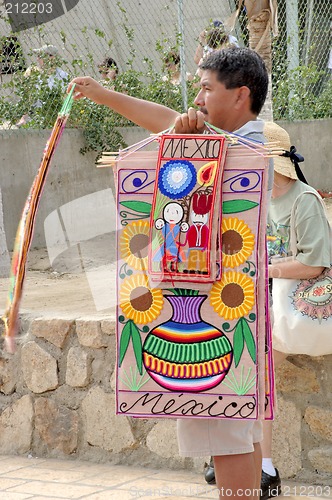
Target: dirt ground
(81, 283)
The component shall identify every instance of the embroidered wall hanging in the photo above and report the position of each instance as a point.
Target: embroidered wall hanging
(191, 280)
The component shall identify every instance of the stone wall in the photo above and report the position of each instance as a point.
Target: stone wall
(302, 445)
(57, 399)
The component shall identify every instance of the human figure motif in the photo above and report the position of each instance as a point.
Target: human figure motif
(198, 233)
(171, 226)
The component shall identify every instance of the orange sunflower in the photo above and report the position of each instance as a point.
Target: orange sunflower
(139, 301)
(237, 242)
(234, 296)
(134, 244)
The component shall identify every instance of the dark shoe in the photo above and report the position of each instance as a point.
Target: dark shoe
(270, 485)
(209, 473)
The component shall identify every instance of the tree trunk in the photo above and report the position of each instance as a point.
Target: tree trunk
(4, 256)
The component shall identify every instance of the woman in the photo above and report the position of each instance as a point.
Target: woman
(312, 256)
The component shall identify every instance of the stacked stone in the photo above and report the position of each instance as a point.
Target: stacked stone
(57, 399)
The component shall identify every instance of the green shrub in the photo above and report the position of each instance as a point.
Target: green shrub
(99, 123)
(305, 94)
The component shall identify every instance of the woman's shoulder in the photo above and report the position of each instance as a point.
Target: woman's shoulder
(303, 191)
(306, 204)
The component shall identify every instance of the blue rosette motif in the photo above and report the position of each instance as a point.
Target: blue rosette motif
(177, 178)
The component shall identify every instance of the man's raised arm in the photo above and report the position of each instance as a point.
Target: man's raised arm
(149, 115)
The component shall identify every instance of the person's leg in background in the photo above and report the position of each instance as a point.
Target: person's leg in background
(271, 483)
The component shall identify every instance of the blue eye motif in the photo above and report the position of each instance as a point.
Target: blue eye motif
(136, 181)
(243, 182)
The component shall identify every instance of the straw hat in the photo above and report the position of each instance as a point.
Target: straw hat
(282, 164)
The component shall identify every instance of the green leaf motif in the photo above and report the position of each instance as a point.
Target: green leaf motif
(124, 340)
(130, 331)
(249, 340)
(235, 206)
(137, 345)
(183, 292)
(141, 207)
(238, 342)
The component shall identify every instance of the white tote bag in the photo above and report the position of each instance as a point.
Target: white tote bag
(302, 309)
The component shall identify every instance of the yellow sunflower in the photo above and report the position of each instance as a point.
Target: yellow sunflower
(134, 244)
(237, 242)
(233, 296)
(138, 301)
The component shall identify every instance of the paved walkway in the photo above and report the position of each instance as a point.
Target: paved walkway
(48, 479)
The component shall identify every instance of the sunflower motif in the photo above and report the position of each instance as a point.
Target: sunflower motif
(134, 243)
(177, 178)
(232, 297)
(237, 242)
(139, 301)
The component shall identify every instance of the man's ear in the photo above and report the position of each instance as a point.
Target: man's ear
(243, 96)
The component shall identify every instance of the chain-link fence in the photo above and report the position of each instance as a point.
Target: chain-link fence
(154, 47)
(302, 60)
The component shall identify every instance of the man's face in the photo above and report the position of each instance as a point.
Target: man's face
(216, 102)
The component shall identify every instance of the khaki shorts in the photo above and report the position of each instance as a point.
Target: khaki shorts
(214, 437)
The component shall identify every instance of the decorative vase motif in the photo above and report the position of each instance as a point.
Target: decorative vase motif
(186, 353)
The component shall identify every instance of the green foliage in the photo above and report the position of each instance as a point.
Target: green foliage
(133, 380)
(11, 55)
(99, 125)
(304, 95)
(31, 95)
(241, 385)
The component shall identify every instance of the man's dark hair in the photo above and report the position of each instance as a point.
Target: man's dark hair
(236, 67)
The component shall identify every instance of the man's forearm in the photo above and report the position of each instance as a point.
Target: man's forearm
(149, 115)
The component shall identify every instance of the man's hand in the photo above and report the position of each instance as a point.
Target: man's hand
(191, 122)
(85, 86)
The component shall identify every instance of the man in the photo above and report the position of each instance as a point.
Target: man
(233, 90)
